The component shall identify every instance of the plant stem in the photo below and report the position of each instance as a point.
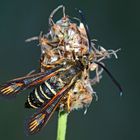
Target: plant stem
(62, 125)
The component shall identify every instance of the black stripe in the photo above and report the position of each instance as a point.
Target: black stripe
(47, 91)
(54, 85)
(34, 101)
(27, 105)
(40, 94)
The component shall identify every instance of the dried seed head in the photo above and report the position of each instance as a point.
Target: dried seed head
(68, 42)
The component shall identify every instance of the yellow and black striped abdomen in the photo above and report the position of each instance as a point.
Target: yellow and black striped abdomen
(41, 94)
(44, 92)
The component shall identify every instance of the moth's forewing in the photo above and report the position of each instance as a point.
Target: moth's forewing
(16, 85)
(40, 119)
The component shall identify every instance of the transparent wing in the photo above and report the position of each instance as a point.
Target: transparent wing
(16, 85)
(40, 119)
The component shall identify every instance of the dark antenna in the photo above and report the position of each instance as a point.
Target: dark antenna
(89, 43)
(83, 19)
(111, 76)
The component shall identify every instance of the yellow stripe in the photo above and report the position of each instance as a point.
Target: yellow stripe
(49, 87)
(37, 96)
(43, 93)
(31, 103)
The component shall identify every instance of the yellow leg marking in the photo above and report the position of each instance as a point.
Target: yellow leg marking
(68, 103)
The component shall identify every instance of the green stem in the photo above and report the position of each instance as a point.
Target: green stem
(62, 125)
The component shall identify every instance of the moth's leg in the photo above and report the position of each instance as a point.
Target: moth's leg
(68, 103)
(31, 72)
(98, 76)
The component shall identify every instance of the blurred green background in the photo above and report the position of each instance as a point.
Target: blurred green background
(116, 24)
